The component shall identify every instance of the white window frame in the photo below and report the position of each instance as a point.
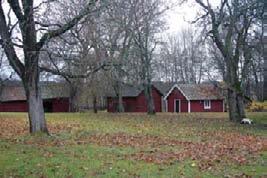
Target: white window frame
(207, 104)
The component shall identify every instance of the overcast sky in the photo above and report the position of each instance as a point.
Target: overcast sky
(177, 17)
(180, 17)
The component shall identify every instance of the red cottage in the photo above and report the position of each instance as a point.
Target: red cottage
(171, 97)
(13, 99)
(194, 98)
(134, 100)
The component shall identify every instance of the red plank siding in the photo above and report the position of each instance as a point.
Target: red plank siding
(136, 104)
(174, 95)
(110, 104)
(142, 104)
(58, 105)
(129, 104)
(14, 106)
(198, 106)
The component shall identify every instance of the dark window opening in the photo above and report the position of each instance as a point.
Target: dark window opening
(48, 107)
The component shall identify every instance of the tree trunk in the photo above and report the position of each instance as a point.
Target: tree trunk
(258, 87)
(36, 109)
(241, 106)
(95, 105)
(235, 97)
(120, 100)
(236, 106)
(149, 99)
(232, 105)
(73, 99)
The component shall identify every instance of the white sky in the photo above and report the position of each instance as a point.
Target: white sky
(180, 17)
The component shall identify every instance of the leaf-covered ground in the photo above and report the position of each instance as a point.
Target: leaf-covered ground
(134, 145)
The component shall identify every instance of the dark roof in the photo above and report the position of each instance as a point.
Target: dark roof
(192, 91)
(200, 91)
(127, 91)
(14, 91)
(205, 91)
(163, 87)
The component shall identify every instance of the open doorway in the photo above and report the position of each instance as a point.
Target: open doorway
(177, 106)
(48, 107)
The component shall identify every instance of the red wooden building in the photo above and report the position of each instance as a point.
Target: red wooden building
(13, 99)
(194, 98)
(171, 97)
(134, 100)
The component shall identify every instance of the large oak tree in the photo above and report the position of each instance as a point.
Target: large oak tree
(230, 24)
(31, 44)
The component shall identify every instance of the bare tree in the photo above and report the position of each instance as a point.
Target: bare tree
(116, 41)
(28, 34)
(182, 57)
(2, 78)
(257, 64)
(147, 24)
(230, 24)
(106, 36)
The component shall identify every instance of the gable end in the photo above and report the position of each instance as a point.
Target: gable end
(170, 91)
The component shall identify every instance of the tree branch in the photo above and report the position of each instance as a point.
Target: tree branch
(54, 33)
(69, 75)
(48, 25)
(215, 24)
(7, 44)
(14, 4)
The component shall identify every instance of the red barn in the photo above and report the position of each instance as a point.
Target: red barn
(171, 97)
(134, 100)
(13, 99)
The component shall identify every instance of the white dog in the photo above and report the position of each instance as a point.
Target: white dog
(246, 121)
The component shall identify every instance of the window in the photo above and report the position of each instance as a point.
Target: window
(206, 104)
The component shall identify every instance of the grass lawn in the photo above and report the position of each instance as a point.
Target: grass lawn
(134, 145)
